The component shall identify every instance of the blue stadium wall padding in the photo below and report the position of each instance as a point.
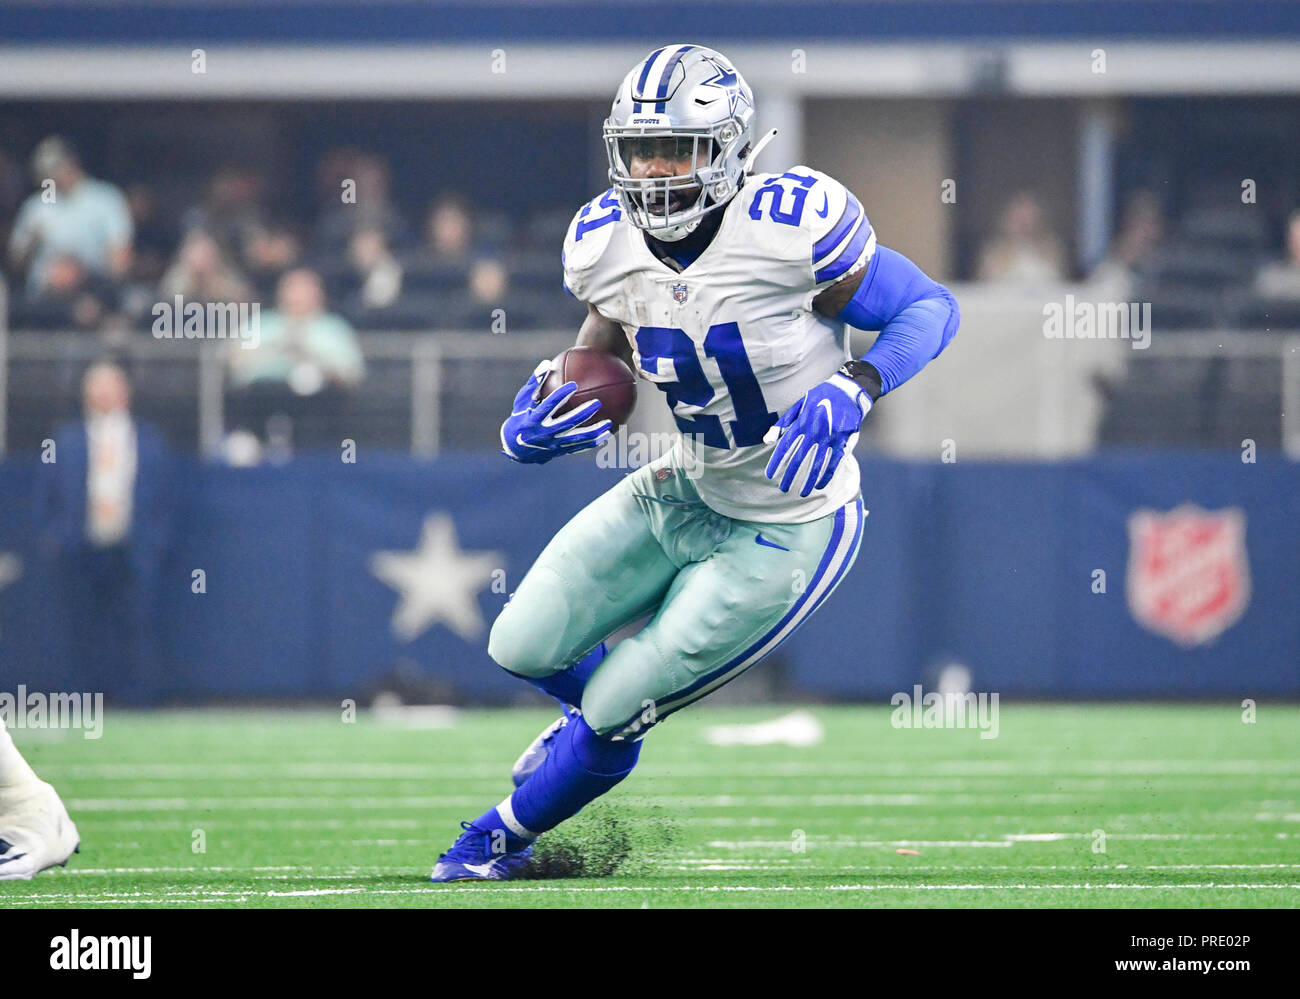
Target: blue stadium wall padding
(986, 565)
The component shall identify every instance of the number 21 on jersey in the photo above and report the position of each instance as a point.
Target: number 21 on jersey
(693, 388)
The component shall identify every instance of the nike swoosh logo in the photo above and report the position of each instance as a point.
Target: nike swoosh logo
(483, 869)
(666, 498)
(519, 439)
(769, 544)
(826, 205)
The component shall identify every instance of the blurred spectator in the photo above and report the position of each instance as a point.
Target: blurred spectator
(201, 273)
(155, 237)
(1281, 278)
(488, 281)
(270, 252)
(105, 505)
(378, 269)
(72, 299)
(1141, 230)
(231, 209)
(449, 233)
(456, 242)
(13, 185)
(288, 387)
(372, 208)
(77, 218)
(1024, 250)
(334, 167)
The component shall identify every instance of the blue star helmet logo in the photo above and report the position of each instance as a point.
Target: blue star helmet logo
(727, 80)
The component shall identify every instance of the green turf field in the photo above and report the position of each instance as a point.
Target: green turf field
(299, 809)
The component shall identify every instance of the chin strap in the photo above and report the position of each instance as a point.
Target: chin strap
(758, 148)
(675, 233)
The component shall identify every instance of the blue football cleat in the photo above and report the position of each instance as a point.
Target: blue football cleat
(531, 758)
(471, 859)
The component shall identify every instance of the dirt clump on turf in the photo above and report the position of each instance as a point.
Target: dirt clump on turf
(601, 841)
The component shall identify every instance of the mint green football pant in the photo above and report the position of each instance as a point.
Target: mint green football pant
(721, 598)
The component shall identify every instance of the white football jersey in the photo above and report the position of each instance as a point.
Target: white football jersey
(733, 340)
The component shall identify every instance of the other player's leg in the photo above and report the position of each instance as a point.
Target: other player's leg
(35, 830)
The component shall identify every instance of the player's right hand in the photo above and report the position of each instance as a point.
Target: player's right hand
(534, 434)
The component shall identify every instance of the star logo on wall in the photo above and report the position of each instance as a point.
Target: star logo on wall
(437, 583)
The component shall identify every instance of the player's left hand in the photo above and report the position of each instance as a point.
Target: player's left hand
(815, 431)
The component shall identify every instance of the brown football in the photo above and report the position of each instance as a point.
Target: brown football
(599, 376)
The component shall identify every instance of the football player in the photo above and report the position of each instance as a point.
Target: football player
(35, 831)
(730, 290)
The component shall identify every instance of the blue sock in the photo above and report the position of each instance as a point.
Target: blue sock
(566, 685)
(491, 820)
(580, 767)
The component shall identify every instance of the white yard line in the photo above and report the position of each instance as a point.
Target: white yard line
(684, 864)
(894, 868)
(362, 821)
(1010, 839)
(200, 895)
(661, 769)
(307, 803)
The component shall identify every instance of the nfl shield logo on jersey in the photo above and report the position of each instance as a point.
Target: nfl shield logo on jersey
(679, 293)
(1188, 577)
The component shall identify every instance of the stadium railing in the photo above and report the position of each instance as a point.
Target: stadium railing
(413, 383)
(428, 392)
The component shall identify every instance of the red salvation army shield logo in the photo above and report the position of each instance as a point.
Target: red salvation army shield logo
(1188, 577)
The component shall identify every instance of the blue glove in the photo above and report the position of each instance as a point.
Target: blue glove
(816, 430)
(533, 434)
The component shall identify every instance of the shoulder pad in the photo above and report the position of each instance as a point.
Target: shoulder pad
(586, 240)
(835, 236)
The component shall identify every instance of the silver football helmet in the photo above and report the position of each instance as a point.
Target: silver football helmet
(682, 103)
